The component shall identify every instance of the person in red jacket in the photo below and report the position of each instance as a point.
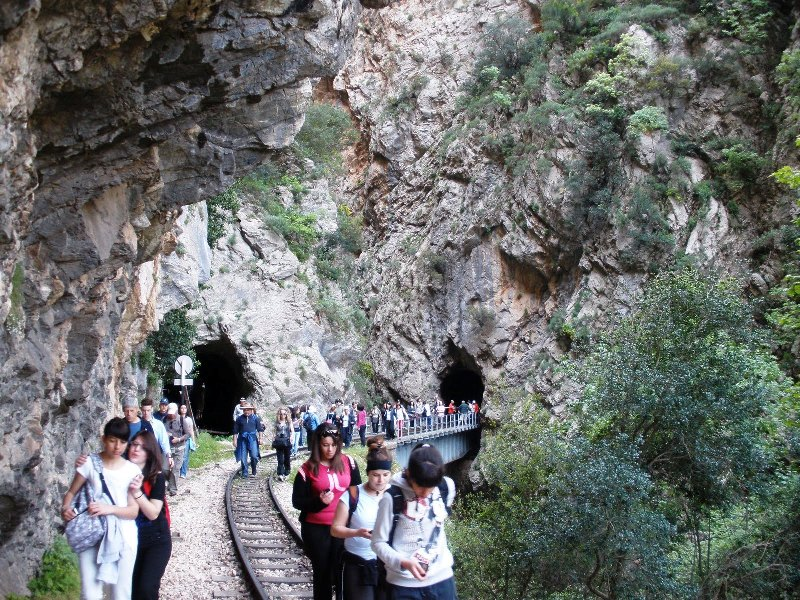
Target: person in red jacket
(319, 484)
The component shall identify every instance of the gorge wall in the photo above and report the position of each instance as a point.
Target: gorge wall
(114, 115)
(512, 207)
(507, 213)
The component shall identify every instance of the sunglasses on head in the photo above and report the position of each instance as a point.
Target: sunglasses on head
(331, 433)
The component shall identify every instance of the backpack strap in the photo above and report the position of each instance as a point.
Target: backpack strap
(444, 490)
(398, 504)
(98, 465)
(354, 495)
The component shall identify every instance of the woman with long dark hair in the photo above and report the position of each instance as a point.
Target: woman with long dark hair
(319, 484)
(155, 540)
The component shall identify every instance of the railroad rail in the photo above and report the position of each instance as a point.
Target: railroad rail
(265, 539)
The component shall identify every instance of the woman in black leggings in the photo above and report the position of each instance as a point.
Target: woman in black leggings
(319, 484)
(155, 540)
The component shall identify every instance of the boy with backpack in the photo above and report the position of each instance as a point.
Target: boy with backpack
(409, 537)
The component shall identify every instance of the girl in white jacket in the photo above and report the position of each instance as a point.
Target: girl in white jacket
(412, 544)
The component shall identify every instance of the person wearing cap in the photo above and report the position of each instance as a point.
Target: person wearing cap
(160, 432)
(238, 411)
(161, 415)
(178, 432)
(245, 437)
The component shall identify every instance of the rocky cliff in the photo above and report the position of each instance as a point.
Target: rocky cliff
(115, 115)
(522, 169)
(514, 201)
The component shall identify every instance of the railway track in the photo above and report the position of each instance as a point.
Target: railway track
(266, 541)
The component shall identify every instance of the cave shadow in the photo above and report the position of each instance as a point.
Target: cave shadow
(461, 383)
(219, 382)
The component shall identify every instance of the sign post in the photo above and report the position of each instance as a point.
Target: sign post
(183, 367)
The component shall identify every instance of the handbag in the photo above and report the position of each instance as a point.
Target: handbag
(192, 444)
(85, 531)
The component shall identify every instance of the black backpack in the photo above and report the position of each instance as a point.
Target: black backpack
(398, 504)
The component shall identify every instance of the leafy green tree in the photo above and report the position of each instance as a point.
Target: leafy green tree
(786, 317)
(174, 337)
(685, 377)
(327, 130)
(564, 517)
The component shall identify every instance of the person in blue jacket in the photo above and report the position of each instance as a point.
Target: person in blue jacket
(245, 437)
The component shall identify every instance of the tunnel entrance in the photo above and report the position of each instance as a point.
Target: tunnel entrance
(218, 384)
(461, 383)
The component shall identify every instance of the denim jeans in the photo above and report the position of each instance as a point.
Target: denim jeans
(185, 465)
(444, 590)
(250, 448)
(295, 442)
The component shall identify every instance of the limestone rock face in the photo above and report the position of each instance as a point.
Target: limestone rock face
(474, 267)
(260, 310)
(112, 116)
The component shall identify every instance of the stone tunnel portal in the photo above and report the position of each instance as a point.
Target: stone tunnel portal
(219, 384)
(460, 384)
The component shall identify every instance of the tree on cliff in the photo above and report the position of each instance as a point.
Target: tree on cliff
(173, 338)
(675, 432)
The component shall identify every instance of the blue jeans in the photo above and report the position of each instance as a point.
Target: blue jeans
(444, 590)
(185, 465)
(295, 442)
(248, 446)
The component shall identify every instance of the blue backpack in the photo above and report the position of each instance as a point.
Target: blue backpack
(310, 422)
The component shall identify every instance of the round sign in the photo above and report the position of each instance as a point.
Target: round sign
(183, 366)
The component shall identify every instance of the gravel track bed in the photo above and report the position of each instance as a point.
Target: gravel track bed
(204, 563)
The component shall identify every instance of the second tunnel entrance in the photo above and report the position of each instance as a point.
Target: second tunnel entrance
(461, 383)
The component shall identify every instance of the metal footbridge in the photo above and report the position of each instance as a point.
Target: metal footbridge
(453, 435)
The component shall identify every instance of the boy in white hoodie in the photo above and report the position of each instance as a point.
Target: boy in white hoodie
(412, 543)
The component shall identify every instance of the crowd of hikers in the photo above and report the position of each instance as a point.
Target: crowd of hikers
(382, 538)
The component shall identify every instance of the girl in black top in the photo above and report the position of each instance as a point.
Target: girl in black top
(155, 540)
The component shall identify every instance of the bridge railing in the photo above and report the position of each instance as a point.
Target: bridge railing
(435, 426)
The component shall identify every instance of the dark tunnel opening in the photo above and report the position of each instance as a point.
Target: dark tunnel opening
(219, 382)
(461, 383)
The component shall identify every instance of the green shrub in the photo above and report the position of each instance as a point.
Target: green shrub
(174, 338)
(787, 74)
(16, 315)
(644, 221)
(58, 577)
(508, 47)
(327, 130)
(325, 263)
(740, 167)
(349, 233)
(746, 20)
(222, 209)
(647, 120)
(299, 230)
